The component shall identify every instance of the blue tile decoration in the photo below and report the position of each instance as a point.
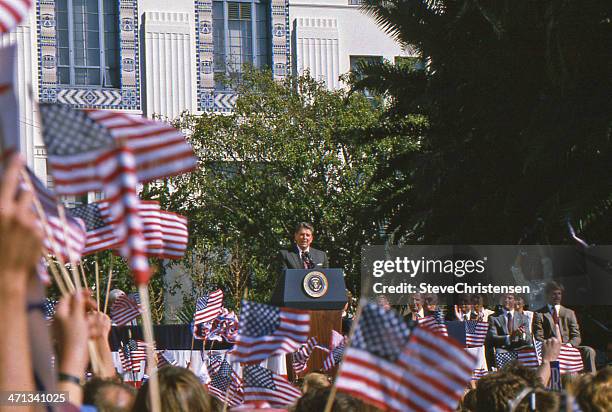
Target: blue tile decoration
(127, 97)
(210, 100)
(280, 38)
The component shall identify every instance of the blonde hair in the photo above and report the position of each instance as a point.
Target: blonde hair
(315, 381)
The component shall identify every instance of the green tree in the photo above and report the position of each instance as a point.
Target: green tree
(517, 139)
(289, 152)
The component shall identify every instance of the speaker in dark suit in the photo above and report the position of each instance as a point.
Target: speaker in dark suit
(302, 256)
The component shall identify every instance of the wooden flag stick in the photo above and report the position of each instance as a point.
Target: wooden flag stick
(355, 323)
(147, 325)
(97, 268)
(47, 229)
(56, 276)
(108, 284)
(83, 276)
(73, 266)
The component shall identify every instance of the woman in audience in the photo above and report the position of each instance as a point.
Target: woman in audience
(109, 395)
(314, 381)
(180, 391)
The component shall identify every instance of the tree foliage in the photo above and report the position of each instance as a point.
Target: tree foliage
(289, 152)
(517, 101)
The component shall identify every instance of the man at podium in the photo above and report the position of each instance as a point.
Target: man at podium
(302, 256)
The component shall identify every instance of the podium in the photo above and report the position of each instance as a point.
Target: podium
(323, 293)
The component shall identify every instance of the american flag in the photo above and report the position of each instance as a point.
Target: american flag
(132, 354)
(263, 385)
(160, 149)
(85, 156)
(390, 368)
(475, 333)
(165, 358)
(175, 235)
(100, 229)
(149, 212)
(269, 330)
(229, 325)
(569, 359)
(435, 323)
(299, 358)
(13, 12)
(208, 307)
(48, 307)
(334, 357)
(165, 233)
(225, 384)
(124, 310)
(480, 368)
(55, 241)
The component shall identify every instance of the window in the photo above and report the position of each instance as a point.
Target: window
(357, 61)
(87, 42)
(240, 36)
(414, 63)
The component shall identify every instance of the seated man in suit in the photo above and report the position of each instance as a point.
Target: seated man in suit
(302, 256)
(509, 330)
(547, 318)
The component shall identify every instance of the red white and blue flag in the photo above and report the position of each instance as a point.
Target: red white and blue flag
(393, 369)
(12, 13)
(569, 359)
(225, 384)
(100, 229)
(67, 240)
(263, 385)
(475, 333)
(434, 323)
(125, 309)
(208, 307)
(269, 330)
(84, 156)
(299, 358)
(132, 354)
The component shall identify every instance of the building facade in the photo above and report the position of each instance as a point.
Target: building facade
(163, 57)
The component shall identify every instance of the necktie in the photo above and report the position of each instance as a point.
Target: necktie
(555, 316)
(307, 261)
(510, 324)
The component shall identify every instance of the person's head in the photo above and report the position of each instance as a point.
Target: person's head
(554, 293)
(545, 401)
(464, 302)
(494, 391)
(415, 302)
(180, 390)
(594, 392)
(519, 304)
(315, 381)
(114, 295)
(431, 302)
(315, 400)
(303, 235)
(468, 402)
(508, 301)
(477, 302)
(108, 395)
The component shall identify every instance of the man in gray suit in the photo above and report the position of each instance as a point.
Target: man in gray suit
(302, 256)
(510, 329)
(547, 318)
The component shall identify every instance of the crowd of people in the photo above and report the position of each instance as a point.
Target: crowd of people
(28, 363)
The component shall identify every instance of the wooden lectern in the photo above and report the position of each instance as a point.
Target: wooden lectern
(323, 293)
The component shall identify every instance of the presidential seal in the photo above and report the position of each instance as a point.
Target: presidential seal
(315, 284)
